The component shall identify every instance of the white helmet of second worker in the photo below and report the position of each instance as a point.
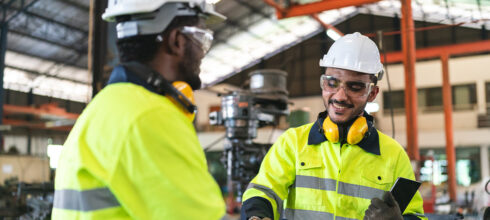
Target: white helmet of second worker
(354, 52)
(144, 17)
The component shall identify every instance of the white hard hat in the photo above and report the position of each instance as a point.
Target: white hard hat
(153, 16)
(354, 52)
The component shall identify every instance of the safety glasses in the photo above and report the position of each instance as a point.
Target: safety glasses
(203, 37)
(354, 89)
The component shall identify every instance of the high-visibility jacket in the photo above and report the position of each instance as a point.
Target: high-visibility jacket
(305, 176)
(133, 154)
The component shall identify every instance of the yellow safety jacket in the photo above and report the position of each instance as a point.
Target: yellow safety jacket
(305, 176)
(134, 155)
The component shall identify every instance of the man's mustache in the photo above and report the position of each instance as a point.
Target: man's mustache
(331, 101)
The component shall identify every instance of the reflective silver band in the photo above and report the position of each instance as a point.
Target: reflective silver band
(299, 214)
(359, 191)
(86, 200)
(269, 192)
(315, 183)
(344, 218)
(326, 184)
(417, 214)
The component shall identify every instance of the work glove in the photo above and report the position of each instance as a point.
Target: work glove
(258, 218)
(386, 209)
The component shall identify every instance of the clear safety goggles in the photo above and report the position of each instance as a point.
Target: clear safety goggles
(203, 37)
(354, 89)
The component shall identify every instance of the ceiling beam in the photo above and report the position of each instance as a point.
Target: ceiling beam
(221, 30)
(220, 39)
(47, 75)
(261, 13)
(253, 8)
(44, 40)
(56, 60)
(77, 5)
(314, 7)
(23, 8)
(50, 20)
(45, 111)
(34, 125)
(436, 52)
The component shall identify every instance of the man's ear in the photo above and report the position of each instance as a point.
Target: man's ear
(373, 93)
(176, 43)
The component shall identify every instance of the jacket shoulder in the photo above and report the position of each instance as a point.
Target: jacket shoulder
(297, 133)
(126, 102)
(294, 138)
(389, 145)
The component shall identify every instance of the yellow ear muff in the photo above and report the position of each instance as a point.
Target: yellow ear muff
(355, 134)
(331, 130)
(357, 130)
(186, 90)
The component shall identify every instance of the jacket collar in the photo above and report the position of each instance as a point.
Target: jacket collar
(132, 72)
(369, 143)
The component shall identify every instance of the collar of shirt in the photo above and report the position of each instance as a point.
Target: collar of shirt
(121, 73)
(369, 143)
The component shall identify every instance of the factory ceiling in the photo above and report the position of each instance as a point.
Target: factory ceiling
(47, 40)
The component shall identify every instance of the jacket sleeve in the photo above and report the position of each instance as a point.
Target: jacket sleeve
(404, 169)
(164, 171)
(277, 173)
(256, 206)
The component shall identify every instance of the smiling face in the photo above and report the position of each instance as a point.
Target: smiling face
(346, 102)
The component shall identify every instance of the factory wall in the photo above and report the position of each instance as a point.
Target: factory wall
(39, 143)
(468, 137)
(464, 70)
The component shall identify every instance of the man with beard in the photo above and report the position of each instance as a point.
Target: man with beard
(339, 167)
(134, 153)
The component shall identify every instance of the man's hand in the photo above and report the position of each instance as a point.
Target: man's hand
(258, 218)
(386, 209)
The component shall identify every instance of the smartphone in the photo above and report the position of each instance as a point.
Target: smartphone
(403, 191)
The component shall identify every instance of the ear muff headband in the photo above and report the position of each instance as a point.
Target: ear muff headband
(180, 93)
(355, 132)
(183, 97)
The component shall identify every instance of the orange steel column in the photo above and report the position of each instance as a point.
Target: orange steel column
(326, 26)
(448, 118)
(408, 49)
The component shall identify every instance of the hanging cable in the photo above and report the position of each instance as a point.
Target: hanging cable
(385, 64)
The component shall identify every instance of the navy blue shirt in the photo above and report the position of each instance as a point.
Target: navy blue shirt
(120, 74)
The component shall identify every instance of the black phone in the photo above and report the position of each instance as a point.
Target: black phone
(403, 191)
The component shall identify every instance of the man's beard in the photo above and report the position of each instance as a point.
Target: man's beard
(189, 68)
(356, 112)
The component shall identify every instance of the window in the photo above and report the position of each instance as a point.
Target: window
(488, 153)
(464, 97)
(468, 166)
(396, 99)
(487, 92)
(430, 99)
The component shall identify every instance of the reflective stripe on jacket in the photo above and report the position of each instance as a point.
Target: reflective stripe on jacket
(134, 155)
(323, 180)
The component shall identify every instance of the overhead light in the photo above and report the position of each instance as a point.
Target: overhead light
(212, 1)
(333, 34)
(54, 153)
(372, 107)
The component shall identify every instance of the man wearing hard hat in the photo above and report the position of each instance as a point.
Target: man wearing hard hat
(340, 166)
(134, 153)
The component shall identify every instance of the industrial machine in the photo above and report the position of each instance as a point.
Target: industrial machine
(19, 200)
(242, 113)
